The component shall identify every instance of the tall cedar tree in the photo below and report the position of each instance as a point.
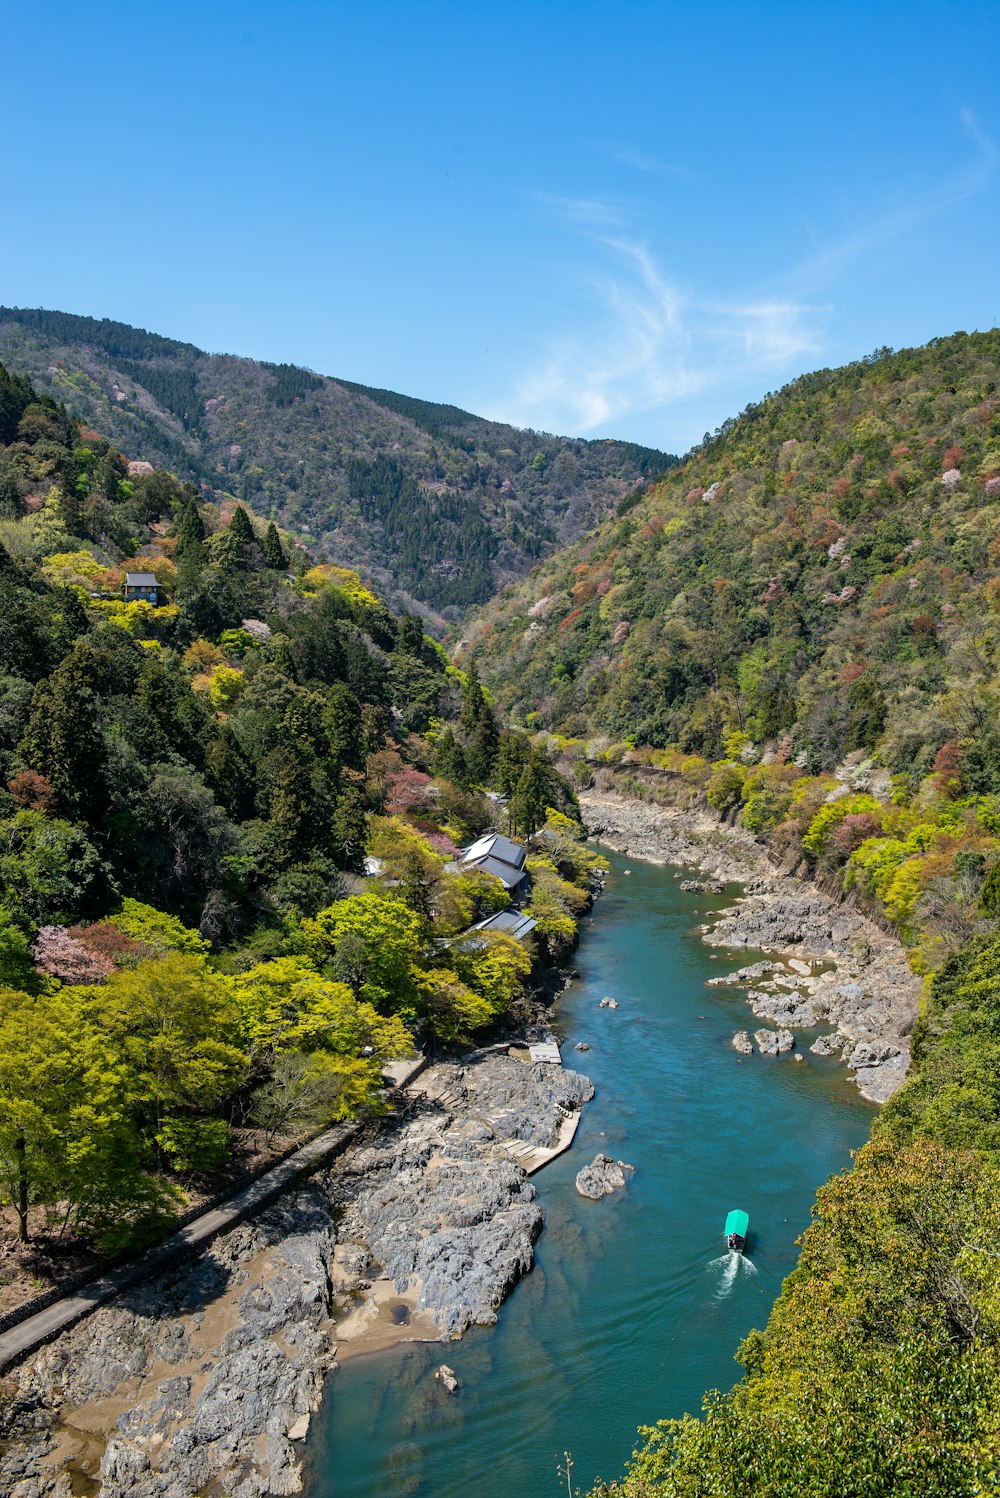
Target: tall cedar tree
(191, 536)
(63, 739)
(240, 529)
(274, 554)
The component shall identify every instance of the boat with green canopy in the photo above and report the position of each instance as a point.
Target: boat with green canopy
(737, 1224)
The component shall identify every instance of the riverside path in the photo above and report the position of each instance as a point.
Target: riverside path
(46, 1324)
(41, 1327)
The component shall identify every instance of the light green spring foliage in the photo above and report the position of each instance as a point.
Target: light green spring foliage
(162, 932)
(69, 1101)
(107, 1084)
(371, 942)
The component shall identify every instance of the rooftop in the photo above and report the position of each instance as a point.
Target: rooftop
(510, 876)
(495, 845)
(511, 922)
(141, 580)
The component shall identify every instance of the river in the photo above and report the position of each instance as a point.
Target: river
(632, 1309)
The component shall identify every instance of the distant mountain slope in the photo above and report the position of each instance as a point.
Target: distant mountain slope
(440, 506)
(822, 574)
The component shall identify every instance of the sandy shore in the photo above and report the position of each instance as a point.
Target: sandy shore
(828, 966)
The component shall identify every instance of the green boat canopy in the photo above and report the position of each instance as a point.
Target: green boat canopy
(737, 1222)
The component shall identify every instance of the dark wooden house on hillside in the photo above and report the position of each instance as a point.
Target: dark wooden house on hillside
(141, 587)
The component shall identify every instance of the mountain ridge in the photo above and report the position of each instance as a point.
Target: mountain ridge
(826, 546)
(440, 506)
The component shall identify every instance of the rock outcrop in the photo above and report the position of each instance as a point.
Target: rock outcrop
(835, 967)
(774, 1042)
(196, 1379)
(602, 1176)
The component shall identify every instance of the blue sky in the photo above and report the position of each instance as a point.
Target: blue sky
(601, 219)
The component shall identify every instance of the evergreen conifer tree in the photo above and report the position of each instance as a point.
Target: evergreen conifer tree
(11, 505)
(526, 811)
(63, 740)
(450, 760)
(237, 549)
(70, 502)
(191, 534)
(410, 636)
(110, 475)
(274, 554)
(473, 701)
(240, 529)
(342, 727)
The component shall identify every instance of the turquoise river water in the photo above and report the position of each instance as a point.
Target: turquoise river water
(633, 1308)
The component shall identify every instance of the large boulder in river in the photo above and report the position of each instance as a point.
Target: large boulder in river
(602, 1176)
(774, 1042)
(741, 1042)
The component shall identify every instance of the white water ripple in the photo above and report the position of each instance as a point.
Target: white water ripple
(729, 1267)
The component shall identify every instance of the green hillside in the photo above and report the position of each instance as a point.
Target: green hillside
(821, 569)
(192, 776)
(439, 506)
(800, 628)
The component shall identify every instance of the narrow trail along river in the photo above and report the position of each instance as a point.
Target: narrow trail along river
(625, 1318)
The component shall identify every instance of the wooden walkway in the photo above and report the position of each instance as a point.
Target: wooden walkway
(450, 1097)
(56, 1318)
(532, 1157)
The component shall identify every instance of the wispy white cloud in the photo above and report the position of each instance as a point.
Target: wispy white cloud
(639, 161)
(650, 340)
(585, 212)
(830, 260)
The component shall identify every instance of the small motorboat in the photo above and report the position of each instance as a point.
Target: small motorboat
(737, 1224)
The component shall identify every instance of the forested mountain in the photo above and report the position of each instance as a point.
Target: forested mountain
(822, 573)
(799, 627)
(194, 768)
(439, 506)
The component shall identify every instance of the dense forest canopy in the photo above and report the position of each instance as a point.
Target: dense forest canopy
(821, 569)
(230, 815)
(484, 501)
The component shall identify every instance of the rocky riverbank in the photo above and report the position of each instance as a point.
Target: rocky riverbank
(206, 1378)
(831, 967)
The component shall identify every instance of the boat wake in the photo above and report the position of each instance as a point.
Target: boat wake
(729, 1267)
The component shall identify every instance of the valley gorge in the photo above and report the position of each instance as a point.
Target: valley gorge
(686, 767)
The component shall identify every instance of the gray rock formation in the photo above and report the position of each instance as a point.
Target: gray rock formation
(741, 1042)
(609, 1003)
(867, 990)
(220, 1359)
(602, 1176)
(210, 1372)
(774, 1042)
